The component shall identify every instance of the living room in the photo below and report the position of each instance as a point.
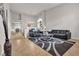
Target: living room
(41, 28)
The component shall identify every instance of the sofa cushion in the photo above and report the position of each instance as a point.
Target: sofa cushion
(62, 34)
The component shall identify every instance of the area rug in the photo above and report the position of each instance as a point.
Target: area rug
(53, 47)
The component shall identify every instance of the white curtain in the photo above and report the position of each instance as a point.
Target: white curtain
(2, 36)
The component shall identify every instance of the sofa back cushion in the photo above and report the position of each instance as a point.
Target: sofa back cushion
(60, 31)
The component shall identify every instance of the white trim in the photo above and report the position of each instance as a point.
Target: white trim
(75, 38)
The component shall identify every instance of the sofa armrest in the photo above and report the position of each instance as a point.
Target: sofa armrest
(68, 35)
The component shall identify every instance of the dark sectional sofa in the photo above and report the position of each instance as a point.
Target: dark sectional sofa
(62, 34)
(35, 33)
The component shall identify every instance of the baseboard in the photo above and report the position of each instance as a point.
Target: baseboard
(75, 38)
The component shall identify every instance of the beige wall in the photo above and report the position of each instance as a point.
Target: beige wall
(65, 16)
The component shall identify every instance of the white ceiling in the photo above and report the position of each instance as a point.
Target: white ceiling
(31, 8)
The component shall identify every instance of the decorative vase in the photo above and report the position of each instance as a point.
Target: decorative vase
(7, 48)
